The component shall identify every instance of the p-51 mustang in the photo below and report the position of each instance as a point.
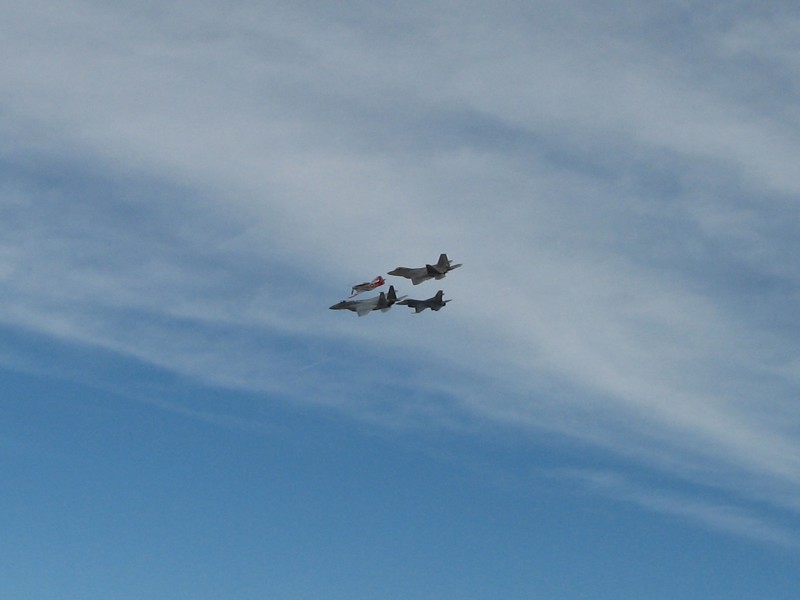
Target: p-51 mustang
(367, 286)
(418, 275)
(434, 303)
(382, 302)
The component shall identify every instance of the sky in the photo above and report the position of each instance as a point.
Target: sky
(608, 407)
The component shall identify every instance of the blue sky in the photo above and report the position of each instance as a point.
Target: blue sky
(607, 409)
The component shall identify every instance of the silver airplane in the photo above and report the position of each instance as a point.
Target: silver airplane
(382, 302)
(417, 276)
(367, 286)
(434, 303)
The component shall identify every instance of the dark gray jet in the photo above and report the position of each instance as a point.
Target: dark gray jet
(434, 303)
(382, 302)
(437, 271)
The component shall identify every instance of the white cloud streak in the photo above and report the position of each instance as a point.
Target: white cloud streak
(707, 513)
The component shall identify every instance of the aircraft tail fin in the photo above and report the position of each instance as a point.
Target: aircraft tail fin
(446, 263)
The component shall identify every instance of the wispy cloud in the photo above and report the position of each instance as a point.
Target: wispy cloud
(714, 515)
(198, 192)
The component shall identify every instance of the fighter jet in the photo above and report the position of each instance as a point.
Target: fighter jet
(417, 276)
(434, 303)
(382, 302)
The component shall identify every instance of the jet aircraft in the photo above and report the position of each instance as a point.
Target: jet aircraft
(418, 275)
(367, 286)
(434, 303)
(382, 302)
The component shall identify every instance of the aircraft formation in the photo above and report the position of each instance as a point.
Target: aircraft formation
(384, 301)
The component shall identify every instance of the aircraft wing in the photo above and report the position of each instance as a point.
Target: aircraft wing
(364, 309)
(416, 280)
(417, 305)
